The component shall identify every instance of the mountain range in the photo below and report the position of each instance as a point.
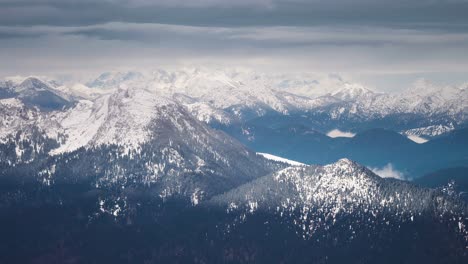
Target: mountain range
(128, 137)
(163, 165)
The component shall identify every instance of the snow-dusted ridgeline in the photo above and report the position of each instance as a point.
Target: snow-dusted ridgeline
(316, 198)
(116, 107)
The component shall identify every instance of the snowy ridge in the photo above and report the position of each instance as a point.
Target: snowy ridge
(121, 118)
(133, 137)
(230, 91)
(429, 131)
(116, 107)
(437, 104)
(16, 117)
(316, 197)
(209, 86)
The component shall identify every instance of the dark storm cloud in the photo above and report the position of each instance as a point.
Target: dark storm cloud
(444, 15)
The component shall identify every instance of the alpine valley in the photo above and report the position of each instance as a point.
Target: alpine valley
(200, 165)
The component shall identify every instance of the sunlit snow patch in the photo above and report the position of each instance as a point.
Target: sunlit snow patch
(338, 133)
(417, 139)
(280, 159)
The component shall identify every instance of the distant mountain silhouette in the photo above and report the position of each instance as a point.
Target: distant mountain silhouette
(442, 178)
(375, 147)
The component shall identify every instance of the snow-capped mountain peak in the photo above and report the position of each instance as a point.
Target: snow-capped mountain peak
(344, 164)
(352, 92)
(35, 92)
(120, 118)
(33, 83)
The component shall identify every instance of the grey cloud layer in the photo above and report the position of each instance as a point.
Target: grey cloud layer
(327, 48)
(445, 15)
(359, 36)
(264, 37)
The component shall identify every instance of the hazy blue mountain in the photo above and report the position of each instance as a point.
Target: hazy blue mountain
(374, 147)
(456, 178)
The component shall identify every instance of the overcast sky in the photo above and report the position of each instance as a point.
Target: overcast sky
(383, 44)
